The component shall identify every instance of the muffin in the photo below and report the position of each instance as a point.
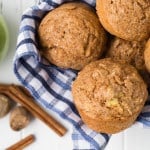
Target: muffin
(147, 55)
(127, 19)
(71, 36)
(109, 95)
(131, 52)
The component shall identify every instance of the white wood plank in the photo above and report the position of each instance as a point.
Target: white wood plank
(133, 138)
(37, 1)
(28, 3)
(7, 135)
(46, 138)
(11, 11)
(116, 142)
(137, 139)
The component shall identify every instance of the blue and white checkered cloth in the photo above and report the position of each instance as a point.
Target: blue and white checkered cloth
(50, 85)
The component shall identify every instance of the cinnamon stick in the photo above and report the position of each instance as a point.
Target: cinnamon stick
(22, 143)
(15, 93)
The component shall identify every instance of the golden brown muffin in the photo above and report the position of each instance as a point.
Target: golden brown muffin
(132, 52)
(109, 95)
(147, 55)
(127, 19)
(71, 36)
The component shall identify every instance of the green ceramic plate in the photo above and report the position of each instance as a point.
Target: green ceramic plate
(4, 38)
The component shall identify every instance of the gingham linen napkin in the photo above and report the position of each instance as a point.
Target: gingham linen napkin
(51, 85)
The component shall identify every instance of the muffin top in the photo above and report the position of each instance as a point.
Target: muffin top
(109, 89)
(132, 52)
(127, 19)
(71, 35)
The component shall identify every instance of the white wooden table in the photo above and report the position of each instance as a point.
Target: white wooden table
(134, 138)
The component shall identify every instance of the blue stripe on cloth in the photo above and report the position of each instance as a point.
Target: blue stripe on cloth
(27, 41)
(62, 114)
(45, 84)
(70, 73)
(58, 81)
(35, 18)
(144, 121)
(91, 2)
(63, 71)
(53, 76)
(145, 114)
(27, 28)
(51, 3)
(106, 136)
